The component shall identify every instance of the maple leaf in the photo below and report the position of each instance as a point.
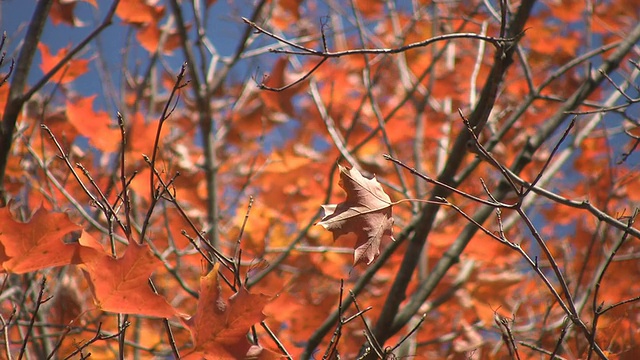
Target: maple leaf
(73, 69)
(99, 131)
(36, 244)
(149, 38)
(366, 212)
(122, 285)
(220, 326)
(279, 102)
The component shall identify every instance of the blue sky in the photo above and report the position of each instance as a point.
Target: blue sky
(224, 27)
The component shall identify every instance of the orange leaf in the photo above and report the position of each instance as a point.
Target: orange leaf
(285, 13)
(291, 6)
(139, 12)
(281, 101)
(568, 11)
(370, 8)
(73, 69)
(121, 285)
(366, 212)
(149, 37)
(141, 135)
(95, 125)
(220, 326)
(36, 244)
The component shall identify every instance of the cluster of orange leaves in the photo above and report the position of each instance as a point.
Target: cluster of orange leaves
(121, 284)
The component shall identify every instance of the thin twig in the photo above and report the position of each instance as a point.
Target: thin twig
(276, 340)
(167, 327)
(495, 41)
(65, 59)
(553, 152)
(226, 262)
(262, 86)
(110, 212)
(123, 177)
(39, 302)
(65, 157)
(5, 331)
(97, 337)
(448, 187)
(177, 85)
(54, 352)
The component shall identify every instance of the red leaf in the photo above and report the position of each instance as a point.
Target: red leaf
(149, 37)
(220, 326)
(139, 12)
(73, 69)
(366, 212)
(122, 285)
(280, 101)
(99, 129)
(36, 244)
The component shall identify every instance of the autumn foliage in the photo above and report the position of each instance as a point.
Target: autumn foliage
(292, 179)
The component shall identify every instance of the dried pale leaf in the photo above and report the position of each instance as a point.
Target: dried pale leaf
(366, 212)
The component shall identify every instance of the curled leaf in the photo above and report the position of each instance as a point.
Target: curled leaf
(366, 212)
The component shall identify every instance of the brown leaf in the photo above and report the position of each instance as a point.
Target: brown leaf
(62, 12)
(366, 212)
